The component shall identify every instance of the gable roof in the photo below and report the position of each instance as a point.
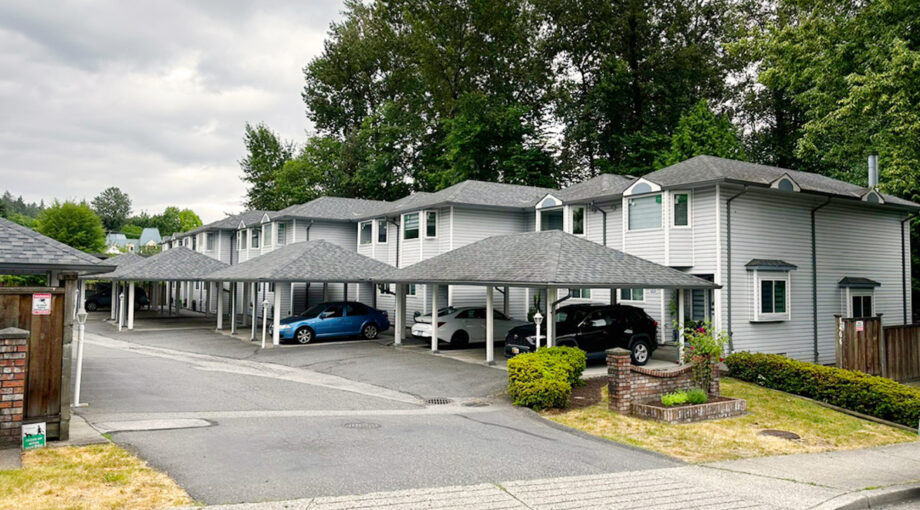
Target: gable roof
(601, 186)
(471, 193)
(311, 261)
(179, 263)
(332, 208)
(539, 259)
(150, 234)
(710, 169)
(231, 222)
(23, 250)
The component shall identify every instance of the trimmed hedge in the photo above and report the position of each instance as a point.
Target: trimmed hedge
(544, 379)
(856, 391)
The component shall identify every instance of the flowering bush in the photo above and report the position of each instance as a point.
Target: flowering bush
(703, 349)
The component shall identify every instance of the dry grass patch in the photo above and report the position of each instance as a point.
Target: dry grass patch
(821, 429)
(87, 477)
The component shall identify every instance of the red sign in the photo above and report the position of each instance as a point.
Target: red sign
(41, 304)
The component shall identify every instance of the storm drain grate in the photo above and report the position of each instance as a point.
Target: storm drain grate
(784, 434)
(438, 401)
(362, 425)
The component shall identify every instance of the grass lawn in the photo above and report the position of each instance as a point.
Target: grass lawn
(821, 429)
(90, 477)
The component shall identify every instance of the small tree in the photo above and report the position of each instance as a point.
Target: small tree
(700, 131)
(73, 224)
(113, 207)
(703, 349)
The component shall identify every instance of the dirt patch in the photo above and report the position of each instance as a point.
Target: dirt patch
(589, 394)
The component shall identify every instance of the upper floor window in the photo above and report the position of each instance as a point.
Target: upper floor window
(632, 295)
(410, 226)
(681, 209)
(256, 237)
(195, 243)
(242, 240)
(282, 234)
(267, 230)
(431, 224)
(382, 231)
(580, 293)
(364, 232)
(551, 220)
(578, 220)
(644, 212)
(209, 241)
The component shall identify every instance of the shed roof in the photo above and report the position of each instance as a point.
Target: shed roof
(178, 263)
(857, 282)
(307, 261)
(770, 265)
(551, 258)
(22, 250)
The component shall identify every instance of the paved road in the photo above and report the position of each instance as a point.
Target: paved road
(232, 424)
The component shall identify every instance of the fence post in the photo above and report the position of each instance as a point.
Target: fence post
(882, 349)
(838, 340)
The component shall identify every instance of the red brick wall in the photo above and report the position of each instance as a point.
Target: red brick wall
(627, 383)
(14, 349)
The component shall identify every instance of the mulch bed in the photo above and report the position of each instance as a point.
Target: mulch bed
(589, 394)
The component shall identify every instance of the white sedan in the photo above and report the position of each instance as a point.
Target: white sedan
(460, 326)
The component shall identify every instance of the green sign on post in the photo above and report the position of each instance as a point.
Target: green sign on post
(33, 435)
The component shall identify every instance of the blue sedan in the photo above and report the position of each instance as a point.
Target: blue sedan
(330, 320)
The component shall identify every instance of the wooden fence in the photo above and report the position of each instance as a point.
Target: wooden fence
(868, 346)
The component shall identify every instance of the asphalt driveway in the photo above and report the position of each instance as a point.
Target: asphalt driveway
(234, 424)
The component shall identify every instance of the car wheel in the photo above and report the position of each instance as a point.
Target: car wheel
(370, 331)
(640, 353)
(91, 306)
(303, 335)
(460, 339)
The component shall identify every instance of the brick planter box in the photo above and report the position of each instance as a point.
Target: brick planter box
(723, 408)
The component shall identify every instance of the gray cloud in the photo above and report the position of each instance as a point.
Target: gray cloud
(150, 97)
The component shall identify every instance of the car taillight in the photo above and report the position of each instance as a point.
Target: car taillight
(655, 323)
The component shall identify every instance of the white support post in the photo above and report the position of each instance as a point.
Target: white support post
(276, 326)
(131, 306)
(434, 318)
(121, 310)
(264, 320)
(255, 306)
(220, 305)
(233, 302)
(400, 319)
(490, 325)
(680, 325)
(550, 317)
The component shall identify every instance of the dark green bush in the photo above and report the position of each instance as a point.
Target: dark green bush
(544, 379)
(697, 396)
(856, 391)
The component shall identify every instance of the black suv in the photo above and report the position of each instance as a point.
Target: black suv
(594, 328)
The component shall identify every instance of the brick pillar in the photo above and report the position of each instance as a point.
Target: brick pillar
(619, 380)
(714, 384)
(14, 354)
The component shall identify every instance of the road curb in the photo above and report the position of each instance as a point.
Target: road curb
(872, 498)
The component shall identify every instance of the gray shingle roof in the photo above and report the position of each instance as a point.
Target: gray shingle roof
(333, 208)
(178, 263)
(231, 222)
(770, 265)
(24, 250)
(123, 260)
(308, 261)
(545, 258)
(701, 169)
(603, 185)
(856, 282)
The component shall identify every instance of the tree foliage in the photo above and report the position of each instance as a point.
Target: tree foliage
(74, 224)
(700, 131)
(113, 206)
(266, 154)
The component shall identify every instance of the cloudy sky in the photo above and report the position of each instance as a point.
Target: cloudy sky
(151, 97)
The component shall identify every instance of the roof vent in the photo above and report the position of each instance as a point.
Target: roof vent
(873, 170)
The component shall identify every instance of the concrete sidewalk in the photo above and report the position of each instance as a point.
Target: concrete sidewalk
(825, 480)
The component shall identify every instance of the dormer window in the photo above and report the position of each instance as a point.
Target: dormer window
(785, 183)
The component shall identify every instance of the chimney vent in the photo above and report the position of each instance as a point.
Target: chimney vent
(873, 171)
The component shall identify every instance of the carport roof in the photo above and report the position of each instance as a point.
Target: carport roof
(307, 261)
(22, 250)
(178, 263)
(539, 259)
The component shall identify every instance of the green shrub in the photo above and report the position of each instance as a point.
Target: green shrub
(674, 399)
(539, 380)
(575, 359)
(697, 396)
(856, 391)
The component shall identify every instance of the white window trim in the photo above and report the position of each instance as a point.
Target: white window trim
(208, 236)
(386, 231)
(411, 289)
(584, 220)
(623, 300)
(437, 226)
(370, 238)
(402, 225)
(269, 232)
(255, 241)
(760, 276)
(673, 201)
(854, 292)
(627, 213)
(550, 209)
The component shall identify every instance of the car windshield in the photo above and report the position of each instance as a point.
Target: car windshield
(313, 311)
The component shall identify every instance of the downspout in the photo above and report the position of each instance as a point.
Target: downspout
(904, 268)
(308, 230)
(814, 278)
(604, 213)
(728, 279)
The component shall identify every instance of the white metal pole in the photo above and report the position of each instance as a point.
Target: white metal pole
(81, 332)
(130, 309)
(121, 310)
(434, 318)
(490, 326)
(233, 301)
(255, 306)
(220, 305)
(276, 326)
(680, 324)
(264, 322)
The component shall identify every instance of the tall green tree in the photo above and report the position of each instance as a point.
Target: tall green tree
(74, 224)
(266, 154)
(188, 220)
(113, 206)
(701, 131)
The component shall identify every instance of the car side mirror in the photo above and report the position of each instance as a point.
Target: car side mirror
(323, 315)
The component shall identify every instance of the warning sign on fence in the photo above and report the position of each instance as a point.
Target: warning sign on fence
(860, 325)
(41, 304)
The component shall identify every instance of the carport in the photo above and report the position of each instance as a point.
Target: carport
(120, 262)
(306, 261)
(170, 267)
(547, 260)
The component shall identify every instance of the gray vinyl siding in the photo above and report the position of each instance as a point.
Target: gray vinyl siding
(703, 236)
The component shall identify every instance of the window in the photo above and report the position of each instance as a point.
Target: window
(772, 296)
(410, 226)
(681, 209)
(256, 237)
(644, 213)
(382, 231)
(551, 220)
(364, 234)
(410, 289)
(431, 224)
(271, 287)
(632, 294)
(195, 243)
(282, 234)
(580, 293)
(578, 220)
(860, 303)
(209, 241)
(268, 235)
(336, 310)
(242, 242)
